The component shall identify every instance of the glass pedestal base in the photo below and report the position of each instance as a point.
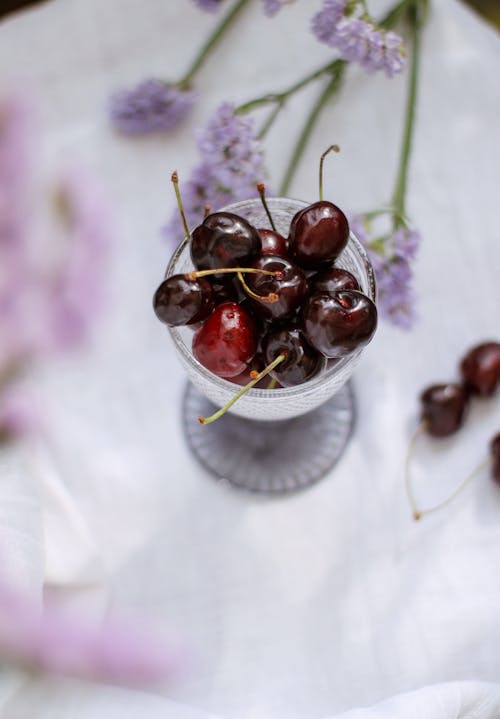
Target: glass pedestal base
(269, 457)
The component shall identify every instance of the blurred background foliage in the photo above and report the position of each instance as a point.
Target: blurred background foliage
(490, 9)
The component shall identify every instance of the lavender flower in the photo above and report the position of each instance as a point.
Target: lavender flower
(232, 164)
(271, 7)
(151, 106)
(209, 5)
(391, 255)
(349, 30)
(54, 643)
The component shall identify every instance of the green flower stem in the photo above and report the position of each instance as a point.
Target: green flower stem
(399, 194)
(396, 14)
(330, 89)
(212, 41)
(279, 98)
(336, 69)
(270, 121)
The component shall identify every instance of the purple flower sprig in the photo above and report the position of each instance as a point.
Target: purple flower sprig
(270, 7)
(391, 253)
(151, 106)
(232, 163)
(209, 5)
(155, 105)
(346, 26)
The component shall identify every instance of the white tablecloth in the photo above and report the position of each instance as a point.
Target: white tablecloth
(291, 608)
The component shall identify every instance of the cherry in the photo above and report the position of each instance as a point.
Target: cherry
(290, 287)
(301, 360)
(223, 240)
(340, 322)
(444, 407)
(226, 341)
(495, 453)
(225, 288)
(272, 242)
(333, 280)
(318, 234)
(480, 368)
(182, 301)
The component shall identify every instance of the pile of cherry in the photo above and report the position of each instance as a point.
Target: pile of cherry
(264, 303)
(444, 406)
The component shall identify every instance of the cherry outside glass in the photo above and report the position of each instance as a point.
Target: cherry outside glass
(276, 440)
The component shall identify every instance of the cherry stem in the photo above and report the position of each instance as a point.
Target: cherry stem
(228, 270)
(419, 513)
(206, 211)
(332, 148)
(175, 182)
(243, 390)
(261, 189)
(271, 297)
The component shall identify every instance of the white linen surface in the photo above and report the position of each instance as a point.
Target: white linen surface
(301, 607)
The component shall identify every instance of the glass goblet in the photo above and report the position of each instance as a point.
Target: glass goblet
(271, 440)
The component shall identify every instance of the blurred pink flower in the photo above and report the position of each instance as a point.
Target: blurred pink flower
(18, 416)
(52, 278)
(75, 290)
(16, 169)
(51, 642)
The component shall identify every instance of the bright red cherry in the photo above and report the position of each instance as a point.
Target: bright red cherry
(227, 340)
(318, 234)
(480, 368)
(444, 407)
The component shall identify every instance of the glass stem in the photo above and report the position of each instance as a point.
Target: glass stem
(330, 89)
(213, 41)
(399, 194)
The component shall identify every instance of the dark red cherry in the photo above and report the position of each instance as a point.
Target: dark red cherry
(480, 368)
(272, 242)
(495, 453)
(302, 361)
(340, 322)
(181, 301)
(318, 234)
(333, 280)
(226, 341)
(290, 287)
(223, 240)
(225, 288)
(443, 408)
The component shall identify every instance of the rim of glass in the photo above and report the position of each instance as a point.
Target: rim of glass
(284, 392)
